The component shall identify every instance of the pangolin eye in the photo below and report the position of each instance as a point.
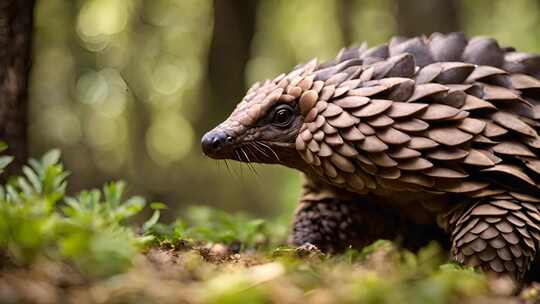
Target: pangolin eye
(283, 116)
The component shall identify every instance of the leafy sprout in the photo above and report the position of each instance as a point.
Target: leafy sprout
(89, 230)
(211, 225)
(5, 160)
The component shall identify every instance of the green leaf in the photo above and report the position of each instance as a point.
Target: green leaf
(130, 208)
(13, 194)
(158, 206)
(4, 161)
(33, 179)
(51, 158)
(151, 221)
(25, 187)
(113, 193)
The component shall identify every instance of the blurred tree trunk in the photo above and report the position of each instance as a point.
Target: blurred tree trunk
(426, 16)
(234, 26)
(15, 49)
(345, 11)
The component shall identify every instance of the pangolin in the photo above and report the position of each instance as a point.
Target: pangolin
(439, 130)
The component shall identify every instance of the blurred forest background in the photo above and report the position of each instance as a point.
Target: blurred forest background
(126, 88)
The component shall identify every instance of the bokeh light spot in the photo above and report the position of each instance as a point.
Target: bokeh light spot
(167, 78)
(102, 17)
(169, 138)
(103, 132)
(62, 124)
(92, 88)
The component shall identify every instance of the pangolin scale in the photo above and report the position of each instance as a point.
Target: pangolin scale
(437, 127)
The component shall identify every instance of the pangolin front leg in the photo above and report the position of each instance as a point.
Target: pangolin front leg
(333, 220)
(333, 225)
(500, 236)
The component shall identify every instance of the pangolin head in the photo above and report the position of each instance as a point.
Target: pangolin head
(265, 124)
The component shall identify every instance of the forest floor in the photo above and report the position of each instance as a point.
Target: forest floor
(215, 274)
(56, 248)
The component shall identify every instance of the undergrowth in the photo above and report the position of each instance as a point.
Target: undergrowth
(57, 248)
(89, 230)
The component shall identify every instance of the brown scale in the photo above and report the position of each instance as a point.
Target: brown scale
(440, 115)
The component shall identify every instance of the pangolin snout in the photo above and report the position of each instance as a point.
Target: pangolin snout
(215, 143)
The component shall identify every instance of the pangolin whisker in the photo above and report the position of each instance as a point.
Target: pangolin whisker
(227, 165)
(257, 144)
(218, 166)
(271, 150)
(262, 145)
(245, 154)
(238, 157)
(253, 155)
(249, 150)
(256, 152)
(248, 162)
(231, 171)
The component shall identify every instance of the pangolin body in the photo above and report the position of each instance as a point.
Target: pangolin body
(449, 120)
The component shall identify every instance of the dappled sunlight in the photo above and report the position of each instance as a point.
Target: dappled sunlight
(170, 138)
(98, 20)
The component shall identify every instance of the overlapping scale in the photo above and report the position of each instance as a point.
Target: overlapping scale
(447, 154)
(513, 122)
(411, 125)
(401, 109)
(484, 71)
(392, 136)
(511, 170)
(449, 136)
(474, 103)
(427, 90)
(454, 72)
(439, 112)
(374, 107)
(513, 148)
(372, 144)
(472, 125)
(496, 235)
(380, 121)
(343, 120)
(351, 102)
(524, 82)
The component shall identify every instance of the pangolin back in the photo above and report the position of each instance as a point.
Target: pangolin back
(441, 114)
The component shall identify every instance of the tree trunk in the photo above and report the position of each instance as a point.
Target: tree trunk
(426, 16)
(234, 26)
(16, 18)
(345, 15)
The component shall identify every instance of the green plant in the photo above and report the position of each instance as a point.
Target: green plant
(89, 230)
(4, 159)
(216, 226)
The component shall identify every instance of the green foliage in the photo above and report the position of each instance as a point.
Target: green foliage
(216, 226)
(404, 277)
(4, 159)
(89, 230)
